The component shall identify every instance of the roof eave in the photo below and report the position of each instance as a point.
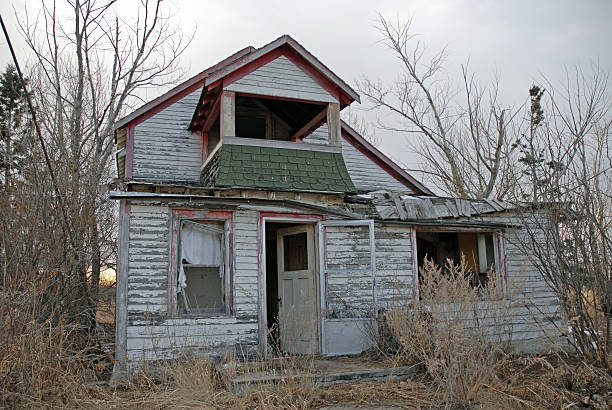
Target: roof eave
(285, 39)
(200, 77)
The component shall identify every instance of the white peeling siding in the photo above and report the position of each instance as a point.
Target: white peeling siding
(349, 275)
(366, 174)
(148, 260)
(163, 147)
(281, 78)
(151, 334)
(246, 262)
(393, 264)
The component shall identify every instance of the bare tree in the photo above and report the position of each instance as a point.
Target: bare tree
(465, 143)
(568, 170)
(89, 62)
(359, 123)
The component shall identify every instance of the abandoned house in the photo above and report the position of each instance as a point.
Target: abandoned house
(253, 217)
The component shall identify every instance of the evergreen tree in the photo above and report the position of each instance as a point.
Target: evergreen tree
(14, 125)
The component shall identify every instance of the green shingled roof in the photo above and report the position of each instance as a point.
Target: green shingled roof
(277, 168)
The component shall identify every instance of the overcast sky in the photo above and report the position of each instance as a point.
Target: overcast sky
(519, 40)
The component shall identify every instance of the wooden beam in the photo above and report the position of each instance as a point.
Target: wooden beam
(314, 123)
(121, 368)
(204, 146)
(212, 114)
(333, 123)
(228, 115)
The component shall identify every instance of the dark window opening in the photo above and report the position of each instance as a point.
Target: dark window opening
(251, 127)
(442, 247)
(268, 118)
(295, 249)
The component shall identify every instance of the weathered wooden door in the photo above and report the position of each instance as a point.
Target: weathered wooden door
(298, 324)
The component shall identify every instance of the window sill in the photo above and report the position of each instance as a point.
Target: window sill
(204, 316)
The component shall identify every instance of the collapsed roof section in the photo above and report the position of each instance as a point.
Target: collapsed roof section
(385, 205)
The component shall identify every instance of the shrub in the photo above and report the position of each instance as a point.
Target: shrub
(456, 331)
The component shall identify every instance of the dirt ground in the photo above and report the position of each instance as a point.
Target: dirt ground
(527, 381)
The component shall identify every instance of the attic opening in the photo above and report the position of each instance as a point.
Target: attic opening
(477, 247)
(266, 118)
(253, 117)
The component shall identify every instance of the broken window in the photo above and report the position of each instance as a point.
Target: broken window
(477, 248)
(201, 284)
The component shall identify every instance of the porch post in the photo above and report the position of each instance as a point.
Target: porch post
(228, 115)
(415, 265)
(333, 123)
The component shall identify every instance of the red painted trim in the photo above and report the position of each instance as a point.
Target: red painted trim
(212, 115)
(199, 78)
(382, 160)
(261, 274)
(272, 97)
(129, 153)
(312, 124)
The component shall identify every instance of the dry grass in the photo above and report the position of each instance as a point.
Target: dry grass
(43, 366)
(456, 332)
(525, 382)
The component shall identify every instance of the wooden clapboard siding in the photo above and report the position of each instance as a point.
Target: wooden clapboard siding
(349, 284)
(281, 78)
(366, 174)
(163, 147)
(394, 282)
(151, 334)
(318, 136)
(246, 263)
(536, 316)
(148, 260)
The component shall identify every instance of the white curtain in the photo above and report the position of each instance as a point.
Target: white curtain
(199, 246)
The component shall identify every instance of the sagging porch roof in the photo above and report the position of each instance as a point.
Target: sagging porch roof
(347, 212)
(397, 206)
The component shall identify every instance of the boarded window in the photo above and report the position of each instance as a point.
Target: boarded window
(201, 275)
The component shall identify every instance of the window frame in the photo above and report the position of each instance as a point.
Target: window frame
(178, 217)
(499, 251)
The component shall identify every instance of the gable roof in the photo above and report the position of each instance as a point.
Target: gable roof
(230, 65)
(383, 161)
(301, 51)
(196, 80)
